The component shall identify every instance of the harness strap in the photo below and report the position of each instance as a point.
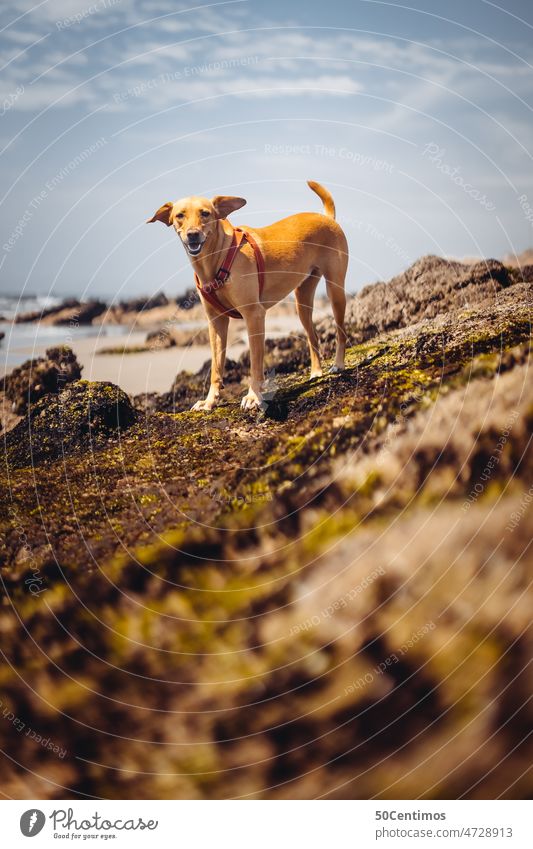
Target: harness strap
(209, 289)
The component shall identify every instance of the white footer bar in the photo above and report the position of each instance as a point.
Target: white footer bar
(267, 824)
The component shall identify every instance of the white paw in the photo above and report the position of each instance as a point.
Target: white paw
(205, 405)
(315, 374)
(336, 369)
(251, 401)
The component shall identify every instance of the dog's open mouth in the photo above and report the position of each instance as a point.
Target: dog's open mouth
(194, 249)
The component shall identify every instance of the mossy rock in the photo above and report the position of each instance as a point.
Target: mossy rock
(83, 416)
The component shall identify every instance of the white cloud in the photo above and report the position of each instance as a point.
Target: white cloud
(406, 78)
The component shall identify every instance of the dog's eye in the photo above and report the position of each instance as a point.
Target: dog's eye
(205, 214)
(180, 216)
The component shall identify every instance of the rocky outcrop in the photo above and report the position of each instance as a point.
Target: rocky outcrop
(430, 287)
(147, 302)
(84, 313)
(27, 383)
(176, 336)
(81, 417)
(69, 312)
(189, 299)
(39, 315)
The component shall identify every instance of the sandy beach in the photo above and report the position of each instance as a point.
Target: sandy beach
(144, 371)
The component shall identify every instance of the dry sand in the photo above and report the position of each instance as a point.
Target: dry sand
(146, 371)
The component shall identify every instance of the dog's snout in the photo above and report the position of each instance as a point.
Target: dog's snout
(194, 241)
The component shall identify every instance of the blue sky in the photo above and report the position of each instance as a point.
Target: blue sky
(418, 117)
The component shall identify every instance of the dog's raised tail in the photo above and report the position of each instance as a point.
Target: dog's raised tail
(325, 197)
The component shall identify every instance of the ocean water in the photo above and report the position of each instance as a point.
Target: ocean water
(11, 305)
(23, 341)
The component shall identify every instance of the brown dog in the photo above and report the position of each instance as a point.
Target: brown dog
(297, 252)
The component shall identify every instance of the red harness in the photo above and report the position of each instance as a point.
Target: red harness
(221, 277)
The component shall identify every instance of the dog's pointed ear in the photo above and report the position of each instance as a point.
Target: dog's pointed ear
(224, 205)
(163, 214)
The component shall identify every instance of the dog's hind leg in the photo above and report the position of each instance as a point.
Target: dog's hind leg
(337, 297)
(304, 294)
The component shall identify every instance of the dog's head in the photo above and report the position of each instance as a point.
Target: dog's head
(195, 219)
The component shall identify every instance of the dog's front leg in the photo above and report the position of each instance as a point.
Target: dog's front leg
(254, 317)
(218, 338)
